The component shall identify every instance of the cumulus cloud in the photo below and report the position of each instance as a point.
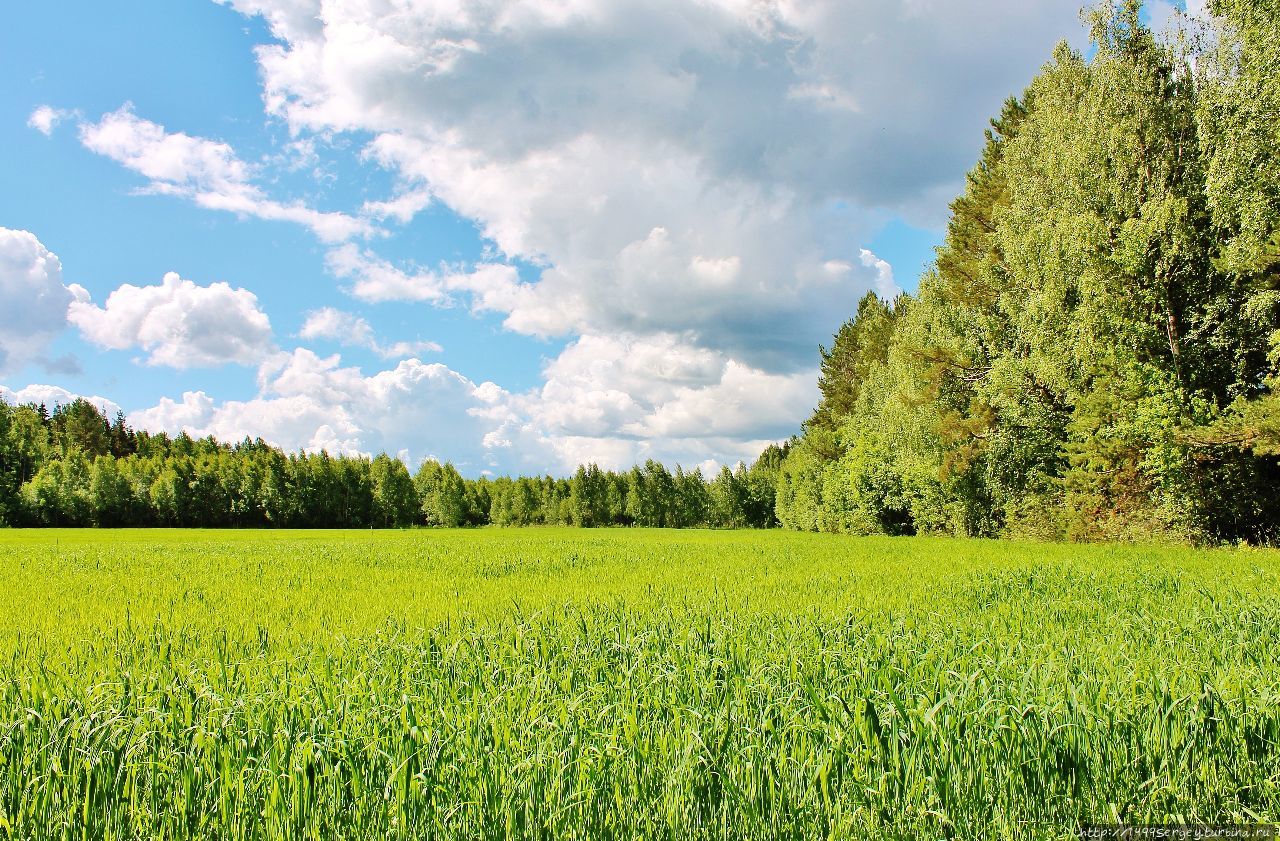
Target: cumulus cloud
(207, 172)
(178, 323)
(884, 283)
(673, 166)
(655, 249)
(52, 395)
(45, 118)
(311, 402)
(35, 299)
(374, 279)
(610, 400)
(617, 400)
(352, 331)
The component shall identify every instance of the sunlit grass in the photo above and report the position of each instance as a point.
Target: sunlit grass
(602, 684)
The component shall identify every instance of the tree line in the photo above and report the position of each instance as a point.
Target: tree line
(74, 467)
(1095, 352)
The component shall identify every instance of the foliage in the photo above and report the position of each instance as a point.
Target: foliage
(75, 468)
(1088, 356)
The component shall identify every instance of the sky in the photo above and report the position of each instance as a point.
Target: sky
(518, 236)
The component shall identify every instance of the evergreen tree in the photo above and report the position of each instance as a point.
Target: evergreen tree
(860, 343)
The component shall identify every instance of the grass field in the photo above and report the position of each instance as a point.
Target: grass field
(628, 684)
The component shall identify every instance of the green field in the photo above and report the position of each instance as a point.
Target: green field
(628, 684)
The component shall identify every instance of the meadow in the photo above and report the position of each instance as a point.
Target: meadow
(591, 684)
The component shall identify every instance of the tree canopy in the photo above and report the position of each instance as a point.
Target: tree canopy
(1095, 352)
(73, 467)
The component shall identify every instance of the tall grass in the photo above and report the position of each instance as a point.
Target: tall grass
(627, 684)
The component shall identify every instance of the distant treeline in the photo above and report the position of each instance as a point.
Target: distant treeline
(74, 467)
(1094, 354)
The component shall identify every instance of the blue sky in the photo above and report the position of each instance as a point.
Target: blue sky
(513, 235)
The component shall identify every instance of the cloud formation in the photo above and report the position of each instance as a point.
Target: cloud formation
(352, 331)
(377, 280)
(621, 399)
(179, 324)
(305, 401)
(207, 172)
(885, 285)
(629, 147)
(52, 395)
(34, 299)
(612, 401)
(45, 118)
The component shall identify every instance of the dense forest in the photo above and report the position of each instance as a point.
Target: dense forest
(74, 467)
(1094, 354)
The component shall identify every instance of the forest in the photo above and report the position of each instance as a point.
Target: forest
(74, 467)
(1093, 355)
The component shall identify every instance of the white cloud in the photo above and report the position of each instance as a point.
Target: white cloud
(298, 422)
(402, 208)
(52, 395)
(329, 323)
(192, 414)
(738, 269)
(352, 331)
(884, 284)
(178, 323)
(723, 270)
(621, 399)
(490, 286)
(612, 400)
(374, 279)
(672, 166)
(207, 172)
(403, 349)
(744, 403)
(311, 402)
(45, 118)
(35, 301)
